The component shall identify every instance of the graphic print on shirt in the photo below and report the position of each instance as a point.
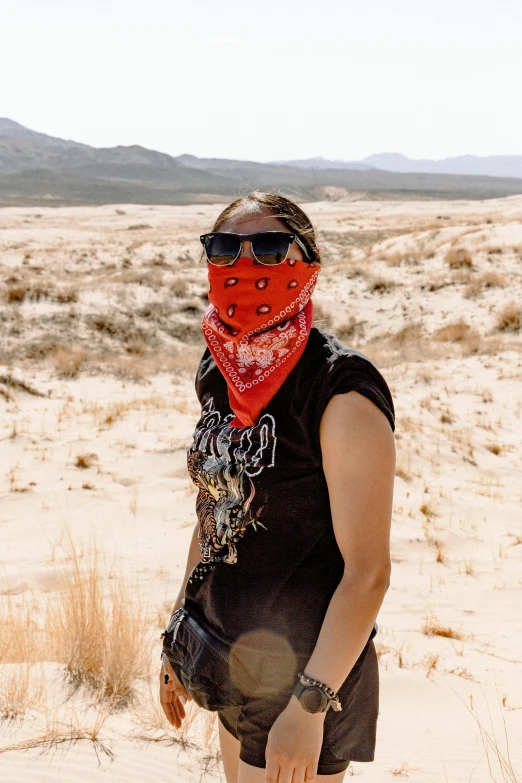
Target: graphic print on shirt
(222, 461)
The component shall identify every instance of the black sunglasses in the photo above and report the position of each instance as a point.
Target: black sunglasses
(268, 247)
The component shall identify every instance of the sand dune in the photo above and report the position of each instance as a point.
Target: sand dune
(99, 319)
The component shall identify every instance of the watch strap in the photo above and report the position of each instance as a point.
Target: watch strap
(305, 683)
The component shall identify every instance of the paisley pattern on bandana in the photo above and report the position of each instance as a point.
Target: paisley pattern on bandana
(256, 327)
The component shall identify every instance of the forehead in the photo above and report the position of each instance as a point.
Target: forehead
(251, 223)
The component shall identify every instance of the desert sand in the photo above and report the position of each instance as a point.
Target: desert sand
(99, 322)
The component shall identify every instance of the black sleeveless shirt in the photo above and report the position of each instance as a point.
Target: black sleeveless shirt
(270, 560)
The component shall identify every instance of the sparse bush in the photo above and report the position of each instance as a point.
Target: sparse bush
(85, 460)
(16, 294)
(21, 690)
(67, 295)
(138, 227)
(19, 640)
(97, 629)
(380, 285)
(510, 319)
(453, 333)
(432, 627)
(179, 286)
(136, 346)
(69, 361)
(486, 281)
(458, 257)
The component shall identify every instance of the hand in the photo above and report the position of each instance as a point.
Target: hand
(294, 745)
(173, 695)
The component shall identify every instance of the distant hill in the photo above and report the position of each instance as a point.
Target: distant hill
(39, 169)
(323, 163)
(492, 166)
(469, 165)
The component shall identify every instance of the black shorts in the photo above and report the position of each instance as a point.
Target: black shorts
(251, 684)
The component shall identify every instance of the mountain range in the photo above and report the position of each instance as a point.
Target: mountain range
(39, 169)
(491, 166)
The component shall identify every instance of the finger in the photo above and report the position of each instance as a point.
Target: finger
(171, 707)
(171, 715)
(285, 773)
(310, 773)
(299, 775)
(180, 709)
(271, 772)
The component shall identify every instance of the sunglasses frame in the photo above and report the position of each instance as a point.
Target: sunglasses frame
(249, 238)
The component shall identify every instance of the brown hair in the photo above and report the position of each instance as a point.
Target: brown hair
(279, 207)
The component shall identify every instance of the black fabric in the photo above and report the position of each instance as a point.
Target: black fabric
(270, 561)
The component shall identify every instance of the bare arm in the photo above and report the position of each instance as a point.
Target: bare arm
(358, 451)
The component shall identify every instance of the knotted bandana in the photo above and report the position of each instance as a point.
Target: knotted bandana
(256, 327)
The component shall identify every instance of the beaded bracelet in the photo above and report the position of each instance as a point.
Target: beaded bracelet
(333, 697)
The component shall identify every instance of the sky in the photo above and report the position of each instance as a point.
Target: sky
(272, 80)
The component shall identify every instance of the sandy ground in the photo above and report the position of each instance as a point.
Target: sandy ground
(99, 320)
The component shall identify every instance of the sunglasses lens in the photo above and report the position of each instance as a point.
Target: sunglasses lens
(222, 249)
(271, 248)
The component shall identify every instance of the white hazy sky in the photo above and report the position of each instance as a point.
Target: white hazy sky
(270, 80)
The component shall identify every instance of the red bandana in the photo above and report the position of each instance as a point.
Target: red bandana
(256, 327)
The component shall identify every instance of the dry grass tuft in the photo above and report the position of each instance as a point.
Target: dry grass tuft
(510, 319)
(85, 460)
(19, 632)
(69, 361)
(66, 733)
(97, 630)
(403, 771)
(492, 749)
(380, 285)
(21, 690)
(430, 662)
(456, 332)
(432, 627)
(458, 257)
(485, 282)
(16, 294)
(198, 730)
(495, 448)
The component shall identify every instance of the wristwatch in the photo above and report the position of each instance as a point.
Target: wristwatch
(315, 696)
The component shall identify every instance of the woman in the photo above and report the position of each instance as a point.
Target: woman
(294, 459)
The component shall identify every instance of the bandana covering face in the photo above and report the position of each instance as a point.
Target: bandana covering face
(256, 327)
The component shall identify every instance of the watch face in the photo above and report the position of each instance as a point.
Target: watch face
(313, 699)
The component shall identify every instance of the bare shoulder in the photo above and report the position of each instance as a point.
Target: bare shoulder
(358, 456)
(353, 418)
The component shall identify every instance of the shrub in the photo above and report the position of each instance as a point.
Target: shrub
(98, 631)
(459, 257)
(16, 294)
(510, 319)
